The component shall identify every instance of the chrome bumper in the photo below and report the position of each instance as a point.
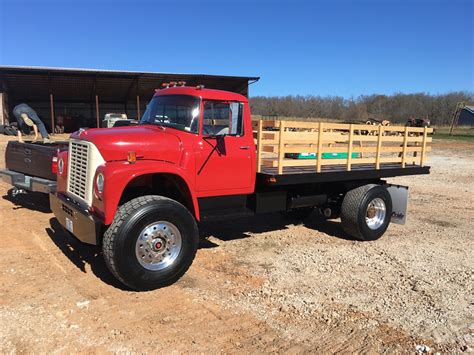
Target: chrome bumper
(75, 219)
(25, 182)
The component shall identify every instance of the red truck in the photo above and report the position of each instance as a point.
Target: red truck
(140, 191)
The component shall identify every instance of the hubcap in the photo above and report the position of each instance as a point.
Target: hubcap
(375, 214)
(158, 245)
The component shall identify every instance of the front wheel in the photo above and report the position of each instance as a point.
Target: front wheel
(366, 212)
(151, 243)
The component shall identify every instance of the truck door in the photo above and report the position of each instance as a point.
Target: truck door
(224, 157)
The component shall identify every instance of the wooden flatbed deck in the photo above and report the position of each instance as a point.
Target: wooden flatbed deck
(346, 150)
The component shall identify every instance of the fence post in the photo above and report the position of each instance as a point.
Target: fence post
(281, 150)
(379, 148)
(423, 148)
(259, 145)
(349, 149)
(319, 155)
(404, 151)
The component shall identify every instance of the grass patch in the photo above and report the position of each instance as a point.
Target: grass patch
(460, 133)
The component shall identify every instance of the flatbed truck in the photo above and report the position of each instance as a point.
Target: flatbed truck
(140, 192)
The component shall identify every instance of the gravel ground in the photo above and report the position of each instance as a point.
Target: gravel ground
(267, 284)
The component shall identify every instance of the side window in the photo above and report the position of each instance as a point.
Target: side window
(223, 118)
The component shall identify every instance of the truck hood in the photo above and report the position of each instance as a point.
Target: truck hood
(148, 142)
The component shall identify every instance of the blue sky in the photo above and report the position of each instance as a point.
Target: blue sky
(337, 47)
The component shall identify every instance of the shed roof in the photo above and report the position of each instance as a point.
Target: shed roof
(81, 85)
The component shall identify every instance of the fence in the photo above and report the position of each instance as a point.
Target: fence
(282, 144)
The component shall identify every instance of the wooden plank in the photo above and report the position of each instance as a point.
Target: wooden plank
(281, 153)
(314, 149)
(349, 147)
(379, 147)
(312, 137)
(259, 146)
(342, 126)
(423, 147)
(401, 129)
(273, 162)
(404, 150)
(320, 146)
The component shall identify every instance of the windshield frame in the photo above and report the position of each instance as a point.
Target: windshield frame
(196, 105)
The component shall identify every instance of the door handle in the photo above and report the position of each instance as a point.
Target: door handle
(245, 147)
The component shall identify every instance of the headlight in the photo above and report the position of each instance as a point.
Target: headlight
(99, 183)
(60, 166)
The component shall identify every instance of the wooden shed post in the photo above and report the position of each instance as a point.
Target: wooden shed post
(51, 104)
(97, 110)
(138, 99)
(138, 108)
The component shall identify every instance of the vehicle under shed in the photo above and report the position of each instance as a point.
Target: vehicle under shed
(74, 98)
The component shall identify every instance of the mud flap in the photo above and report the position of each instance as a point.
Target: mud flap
(399, 195)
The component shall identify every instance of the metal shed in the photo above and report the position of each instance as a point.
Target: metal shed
(85, 95)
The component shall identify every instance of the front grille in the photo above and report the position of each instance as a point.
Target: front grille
(79, 158)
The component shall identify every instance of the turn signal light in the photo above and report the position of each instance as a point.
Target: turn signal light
(54, 165)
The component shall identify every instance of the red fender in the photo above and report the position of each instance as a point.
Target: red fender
(119, 174)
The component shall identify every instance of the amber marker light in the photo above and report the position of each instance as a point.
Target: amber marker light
(131, 157)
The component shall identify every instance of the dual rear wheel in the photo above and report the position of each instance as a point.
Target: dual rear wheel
(366, 212)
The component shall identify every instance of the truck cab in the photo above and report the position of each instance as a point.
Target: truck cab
(191, 144)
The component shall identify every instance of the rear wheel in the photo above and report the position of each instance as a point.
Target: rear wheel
(151, 242)
(366, 212)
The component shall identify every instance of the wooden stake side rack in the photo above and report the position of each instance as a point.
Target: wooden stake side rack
(354, 145)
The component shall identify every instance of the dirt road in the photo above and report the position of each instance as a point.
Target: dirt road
(261, 284)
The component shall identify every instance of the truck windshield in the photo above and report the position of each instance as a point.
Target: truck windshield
(176, 111)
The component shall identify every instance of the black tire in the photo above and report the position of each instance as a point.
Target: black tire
(120, 240)
(2, 129)
(354, 211)
(14, 129)
(8, 131)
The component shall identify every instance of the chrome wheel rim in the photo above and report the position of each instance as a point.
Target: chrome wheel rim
(158, 245)
(375, 214)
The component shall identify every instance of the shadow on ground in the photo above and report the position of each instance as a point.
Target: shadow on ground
(81, 254)
(35, 201)
(240, 228)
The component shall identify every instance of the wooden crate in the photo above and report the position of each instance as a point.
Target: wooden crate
(376, 145)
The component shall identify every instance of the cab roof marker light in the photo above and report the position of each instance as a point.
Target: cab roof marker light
(200, 87)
